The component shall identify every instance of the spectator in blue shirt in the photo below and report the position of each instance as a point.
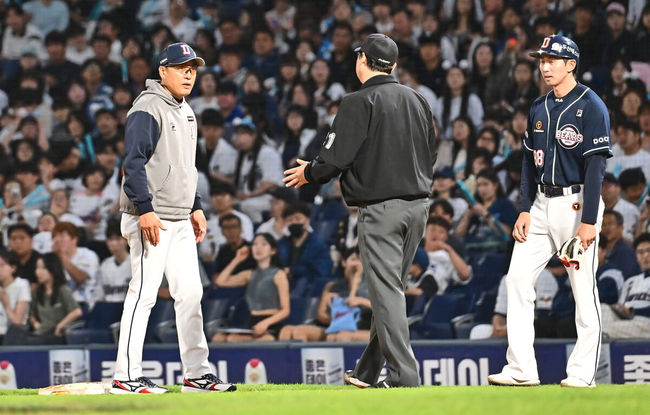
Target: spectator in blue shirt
(303, 253)
(265, 59)
(619, 252)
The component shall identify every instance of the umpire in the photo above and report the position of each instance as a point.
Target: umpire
(382, 142)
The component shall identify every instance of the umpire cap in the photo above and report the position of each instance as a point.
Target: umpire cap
(379, 47)
(560, 46)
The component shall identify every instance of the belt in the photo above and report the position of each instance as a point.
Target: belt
(554, 191)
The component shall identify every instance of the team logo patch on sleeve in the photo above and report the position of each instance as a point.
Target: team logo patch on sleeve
(330, 140)
(576, 206)
(568, 136)
(538, 127)
(579, 113)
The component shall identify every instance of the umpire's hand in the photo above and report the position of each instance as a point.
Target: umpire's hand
(296, 175)
(150, 223)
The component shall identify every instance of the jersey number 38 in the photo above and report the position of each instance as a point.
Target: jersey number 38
(539, 157)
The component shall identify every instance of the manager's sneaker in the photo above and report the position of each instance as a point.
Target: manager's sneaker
(574, 382)
(207, 383)
(501, 379)
(348, 377)
(381, 385)
(140, 385)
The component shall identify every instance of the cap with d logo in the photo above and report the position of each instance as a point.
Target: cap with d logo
(178, 54)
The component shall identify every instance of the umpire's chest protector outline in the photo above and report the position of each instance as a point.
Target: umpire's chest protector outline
(562, 132)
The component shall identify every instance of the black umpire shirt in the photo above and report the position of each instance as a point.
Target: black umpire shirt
(382, 141)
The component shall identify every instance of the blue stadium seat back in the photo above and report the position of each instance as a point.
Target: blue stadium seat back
(169, 335)
(299, 307)
(88, 336)
(415, 304)
(214, 309)
(231, 293)
(311, 312)
(444, 307)
(437, 331)
(487, 270)
(104, 314)
(484, 307)
(239, 315)
(162, 311)
(463, 330)
(300, 287)
(317, 285)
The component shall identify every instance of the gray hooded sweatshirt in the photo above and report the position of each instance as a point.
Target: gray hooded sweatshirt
(159, 167)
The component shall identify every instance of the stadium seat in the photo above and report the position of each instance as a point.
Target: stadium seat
(301, 311)
(97, 327)
(487, 270)
(436, 320)
(162, 316)
(239, 315)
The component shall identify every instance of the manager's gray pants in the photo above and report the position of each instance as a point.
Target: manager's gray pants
(389, 233)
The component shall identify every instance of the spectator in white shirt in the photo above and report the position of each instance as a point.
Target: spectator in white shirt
(611, 192)
(15, 294)
(59, 207)
(78, 50)
(408, 75)
(281, 197)
(628, 153)
(222, 196)
(258, 169)
(182, 26)
(80, 264)
(19, 35)
(115, 271)
(215, 156)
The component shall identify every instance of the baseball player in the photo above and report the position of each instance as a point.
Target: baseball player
(163, 221)
(565, 149)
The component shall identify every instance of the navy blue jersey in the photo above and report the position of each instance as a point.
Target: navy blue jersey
(563, 132)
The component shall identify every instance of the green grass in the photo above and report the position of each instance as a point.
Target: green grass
(314, 399)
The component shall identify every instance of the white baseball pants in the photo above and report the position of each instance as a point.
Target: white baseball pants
(553, 221)
(176, 257)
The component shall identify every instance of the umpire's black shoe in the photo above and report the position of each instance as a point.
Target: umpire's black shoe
(348, 377)
(381, 385)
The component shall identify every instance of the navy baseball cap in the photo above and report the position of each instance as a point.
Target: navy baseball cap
(380, 48)
(558, 45)
(178, 54)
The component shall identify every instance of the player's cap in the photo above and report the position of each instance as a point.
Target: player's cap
(282, 193)
(245, 123)
(444, 173)
(178, 54)
(615, 7)
(558, 45)
(610, 178)
(379, 47)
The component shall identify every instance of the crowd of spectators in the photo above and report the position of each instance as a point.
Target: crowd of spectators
(274, 77)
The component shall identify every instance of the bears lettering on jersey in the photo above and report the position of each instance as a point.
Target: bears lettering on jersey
(568, 136)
